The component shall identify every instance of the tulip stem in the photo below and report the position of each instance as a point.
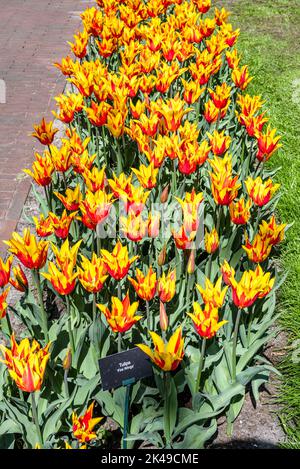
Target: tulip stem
(119, 158)
(98, 245)
(94, 306)
(148, 316)
(71, 337)
(66, 384)
(103, 145)
(36, 420)
(235, 336)
(166, 409)
(119, 342)
(201, 362)
(44, 320)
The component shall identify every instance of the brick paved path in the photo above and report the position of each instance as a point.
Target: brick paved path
(33, 35)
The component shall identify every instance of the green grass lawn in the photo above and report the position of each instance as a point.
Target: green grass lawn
(270, 44)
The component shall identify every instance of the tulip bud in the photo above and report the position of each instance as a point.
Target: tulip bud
(162, 256)
(163, 318)
(68, 360)
(165, 194)
(191, 262)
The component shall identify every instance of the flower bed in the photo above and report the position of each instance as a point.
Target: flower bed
(156, 230)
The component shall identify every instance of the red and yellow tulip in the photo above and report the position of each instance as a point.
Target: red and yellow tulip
(26, 363)
(83, 426)
(30, 252)
(117, 262)
(167, 356)
(122, 315)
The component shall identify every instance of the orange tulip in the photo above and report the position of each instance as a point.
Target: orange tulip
(240, 211)
(167, 356)
(144, 285)
(43, 226)
(83, 426)
(167, 286)
(261, 192)
(92, 274)
(44, 132)
(206, 321)
(19, 282)
(42, 169)
(71, 200)
(32, 253)
(61, 225)
(117, 262)
(26, 363)
(122, 315)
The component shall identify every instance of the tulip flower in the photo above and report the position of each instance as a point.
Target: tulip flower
(184, 240)
(5, 271)
(71, 200)
(219, 142)
(167, 356)
(68, 103)
(120, 184)
(19, 282)
(146, 175)
(221, 15)
(211, 241)
(213, 295)
(32, 253)
(241, 78)
(206, 322)
(83, 426)
(233, 59)
(117, 262)
(80, 44)
(97, 113)
(42, 169)
(61, 225)
(82, 162)
(66, 254)
(228, 273)
(173, 112)
(220, 96)
(240, 211)
(190, 207)
(252, 285)
(44, 132)
(268, 144)
(271, 231)
(63, 280)
(259, 249)
(122, 315)
(249, 105)
(3, 303)
(167, 286)
(224, 186)
(144, 285)
(94, 179)
(66, 66)
(26, 363)
(96, 206)
(260, 192)
(43, 226)
(211, 112)
(134, 226)
(192, 91)
(61, 157)
(92, 274)
(134, 199)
